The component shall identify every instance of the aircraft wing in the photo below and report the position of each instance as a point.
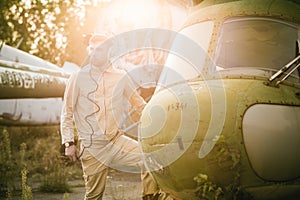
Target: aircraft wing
(31, 89)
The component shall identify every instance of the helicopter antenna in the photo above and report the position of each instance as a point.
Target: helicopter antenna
(285, 68)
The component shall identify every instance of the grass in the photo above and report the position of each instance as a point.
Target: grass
(32, 154)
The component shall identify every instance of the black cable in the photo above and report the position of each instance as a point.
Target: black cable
(87, 116)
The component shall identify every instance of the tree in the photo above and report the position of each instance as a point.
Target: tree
(42, 27)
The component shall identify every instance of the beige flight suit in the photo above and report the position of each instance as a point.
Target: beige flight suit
(94, 100)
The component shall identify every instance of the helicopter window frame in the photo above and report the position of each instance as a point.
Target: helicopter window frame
(217, 67)
(183, 68)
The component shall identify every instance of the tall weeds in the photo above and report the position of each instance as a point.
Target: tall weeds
(7, 165)
(26, 190)
(31, 156)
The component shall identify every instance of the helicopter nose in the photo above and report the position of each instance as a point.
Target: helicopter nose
(169, 124)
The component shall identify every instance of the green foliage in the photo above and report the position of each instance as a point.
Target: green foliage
(7, 150)
(33, 152)
(8, 167)
(227, 158)
(26, 190)
(5, 30)
(22, 154)
(207, 189)
(66, 196)
(227, 153)
(8, 195)
(55, 179)
(41, 27)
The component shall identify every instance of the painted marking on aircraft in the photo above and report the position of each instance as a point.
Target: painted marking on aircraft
(177, 106)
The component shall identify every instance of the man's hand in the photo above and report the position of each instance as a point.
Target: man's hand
(71, 152)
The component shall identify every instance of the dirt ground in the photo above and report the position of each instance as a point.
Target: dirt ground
(119, 186)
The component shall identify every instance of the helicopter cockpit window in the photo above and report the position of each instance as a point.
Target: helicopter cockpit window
(257, 43)
(187, 54)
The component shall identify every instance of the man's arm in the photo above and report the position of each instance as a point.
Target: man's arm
(66, 122)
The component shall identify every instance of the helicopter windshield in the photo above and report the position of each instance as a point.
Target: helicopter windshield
(188, 54)
(257, 43)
